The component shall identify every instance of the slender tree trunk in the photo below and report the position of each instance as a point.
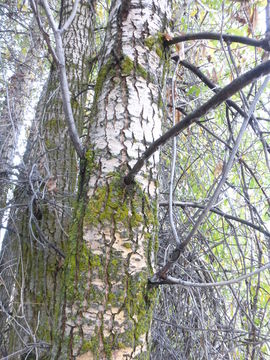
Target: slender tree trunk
(49, 183)
(108, 305)
(18, 96)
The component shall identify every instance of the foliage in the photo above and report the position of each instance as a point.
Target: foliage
(228, 321)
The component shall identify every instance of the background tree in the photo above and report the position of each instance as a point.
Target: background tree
(47, 182)
(21, 58)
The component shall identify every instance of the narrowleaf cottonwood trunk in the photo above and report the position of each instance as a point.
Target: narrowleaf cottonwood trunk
(113, 239)
(94, 304)
(30, 258)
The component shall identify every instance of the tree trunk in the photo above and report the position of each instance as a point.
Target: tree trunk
(48, 186)
(108, 305)
(18, 99)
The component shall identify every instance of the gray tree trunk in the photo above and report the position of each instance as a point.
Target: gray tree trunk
(18, 98)
(31, 260)
(108, 305)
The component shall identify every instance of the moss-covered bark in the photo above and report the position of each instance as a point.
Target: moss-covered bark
(108, 306)
(95, 304)
(49, 184)
(108, 289)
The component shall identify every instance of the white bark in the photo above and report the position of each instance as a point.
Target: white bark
(119, 223)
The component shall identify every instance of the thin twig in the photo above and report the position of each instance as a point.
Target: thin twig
(217, 36)
(177, 252)
(216, 100)
(175, 235)
(174, 281)
(184, 204)
(71, 17)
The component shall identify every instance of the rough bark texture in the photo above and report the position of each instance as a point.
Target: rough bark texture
(18, 95)
(49, 183)
(112, 243)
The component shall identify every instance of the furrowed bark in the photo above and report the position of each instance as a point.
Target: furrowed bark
(108, 304)
(13, 112)
(49, 187)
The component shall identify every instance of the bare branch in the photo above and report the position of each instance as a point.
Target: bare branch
(216, 36)
(176, 238)
(44, 32)
(176, 253)
(49, 15)
(184, 204)
(71, 17)
(59, 57)
(216, 100)
(230, 103)
(174, 281)
(211, 85)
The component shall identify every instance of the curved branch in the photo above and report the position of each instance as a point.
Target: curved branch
(218, 212)
(71, 17)
(73, 132)
(59, 57)
(211, 85)
(229, 102)
(216, 36)
(49, 15)
(176, 253)
(174, 281)
(216, 100)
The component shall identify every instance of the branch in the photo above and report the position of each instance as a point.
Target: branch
(177, 251)
(176, 238)
(43, 31)
(73, 132)
(49, 15)
(216, 100)
(211, 85)
(239, 159)
(59, 57)
(218, 212)
(71, 17)
(216, 36)
(174, 281)
(253, 122)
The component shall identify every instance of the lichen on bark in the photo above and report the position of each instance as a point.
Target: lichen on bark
(109, 305)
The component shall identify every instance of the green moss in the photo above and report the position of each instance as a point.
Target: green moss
(107, 70)
(130, 211)
(150, 41)
(156, 43)
(78, 259)
(127, 66)
(109, 203)
(90, 345)
(140, 302)
(108, 345)
(159, 52)
(126, 339)
(142, 71)
(86, 346)
(52, 123)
